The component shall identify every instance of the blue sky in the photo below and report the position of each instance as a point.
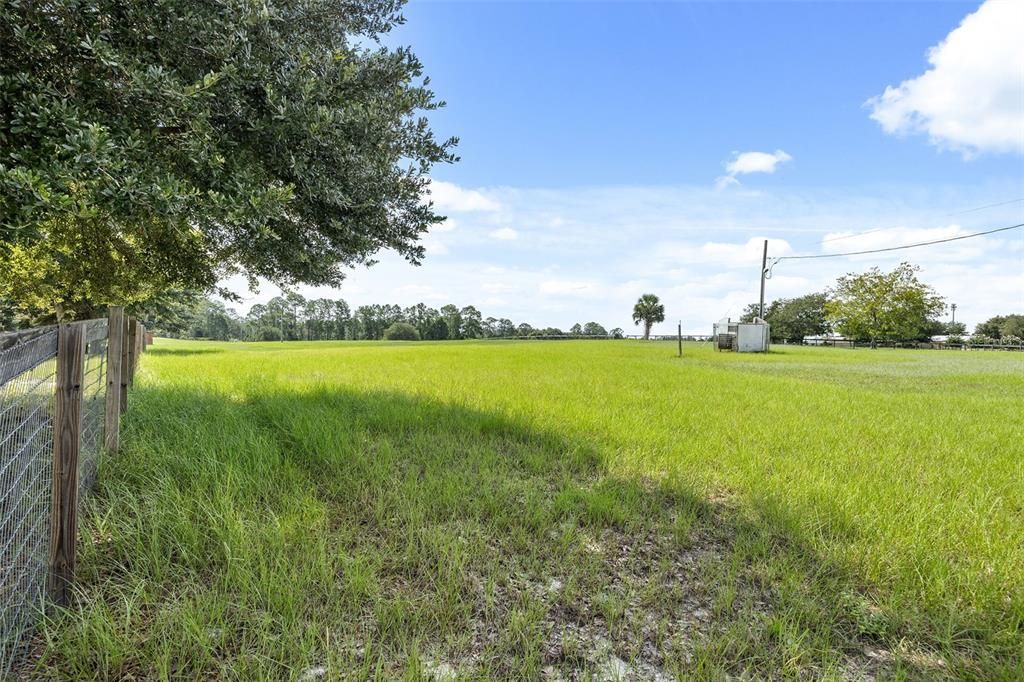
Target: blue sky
(613, 148)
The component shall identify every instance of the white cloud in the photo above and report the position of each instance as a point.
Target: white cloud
(952, 252)
(841, 242)
(746, 253)
(756, 162)
(497, 287)
(504, 234)
(419, 292)
(750, 162)
(450, 197)
(724, 181)
(972, 97)
(557, 287)
(435, 248)
(721, 255)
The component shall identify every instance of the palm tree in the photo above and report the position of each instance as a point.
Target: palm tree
(648, 310)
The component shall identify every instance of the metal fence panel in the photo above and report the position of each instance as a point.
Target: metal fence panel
(94, 395)
(28, 370)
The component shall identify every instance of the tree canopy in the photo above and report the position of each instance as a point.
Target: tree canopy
(1001, 326)
(401, 331)
(145, 146)
(648, 310)
(877, 305)
(793, 318)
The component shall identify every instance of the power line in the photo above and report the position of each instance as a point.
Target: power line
(851, 236)
(905, 246)
(979, 208)
(968, 210)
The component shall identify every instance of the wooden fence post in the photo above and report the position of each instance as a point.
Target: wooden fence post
(133, 348)
(115, 344)
(125, 360)
(67, 431)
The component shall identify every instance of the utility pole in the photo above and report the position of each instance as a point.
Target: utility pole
(764, 271)
(953, 306)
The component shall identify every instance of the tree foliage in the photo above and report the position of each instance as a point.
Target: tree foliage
(401, 331)
(1001, 326)
(82, 266)
(472, 323)
(793, 318)
(648, 310)
(1013, 326)
(146, 146)
(171, 312)
(877, 305)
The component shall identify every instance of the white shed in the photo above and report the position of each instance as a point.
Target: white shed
(742, 337)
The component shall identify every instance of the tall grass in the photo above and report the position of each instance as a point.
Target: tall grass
(518, 510)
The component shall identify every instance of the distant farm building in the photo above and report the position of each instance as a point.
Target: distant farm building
(742, 337)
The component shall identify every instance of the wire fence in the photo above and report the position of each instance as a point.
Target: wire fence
(41, 380)
(905, 344)
(26, 484)
(94, 394)
(831, 342)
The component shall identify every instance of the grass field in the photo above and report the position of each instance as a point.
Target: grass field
(562, 510)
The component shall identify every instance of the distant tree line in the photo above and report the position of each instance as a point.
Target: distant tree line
(1001, 329)
(877, 306)
(292, 317)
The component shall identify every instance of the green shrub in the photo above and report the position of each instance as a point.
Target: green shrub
(401, 331)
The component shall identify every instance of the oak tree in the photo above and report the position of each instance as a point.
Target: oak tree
(173, 143)
(877, 305)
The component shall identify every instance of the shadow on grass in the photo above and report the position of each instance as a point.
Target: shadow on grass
(377, 534)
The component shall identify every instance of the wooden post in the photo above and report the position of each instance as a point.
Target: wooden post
(680, 333)
(133, 348)
(67, 432)
(115, 345)
(125, 362)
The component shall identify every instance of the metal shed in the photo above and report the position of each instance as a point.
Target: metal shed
(742, 337)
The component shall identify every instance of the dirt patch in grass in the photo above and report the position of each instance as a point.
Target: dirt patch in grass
(653, 611)
(612, 603)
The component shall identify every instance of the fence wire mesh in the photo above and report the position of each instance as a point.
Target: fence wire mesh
(94, 394)
(27, 384)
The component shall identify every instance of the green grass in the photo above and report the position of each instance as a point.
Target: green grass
(578, 509)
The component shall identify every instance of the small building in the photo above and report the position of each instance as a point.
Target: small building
(742, 337)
